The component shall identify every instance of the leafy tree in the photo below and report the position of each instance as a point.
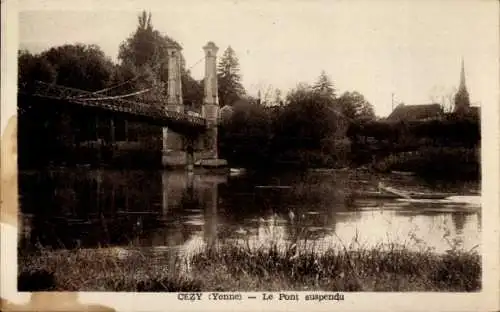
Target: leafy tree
(192, 91)
(299, 93)
(45, 127)
(354, 106)
(444, 96)
(146, 46)
(277, 97)
(144, 59)
(267, 95)
(307, 119)
(229, 78)
(34, 67)
(306, 131)
(244, 137)
(324, 86)
(79, 66)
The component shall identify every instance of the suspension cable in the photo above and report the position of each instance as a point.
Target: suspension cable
(197, 62)
(82, 96)
(110, 88)
(154, 68)
(117, 96)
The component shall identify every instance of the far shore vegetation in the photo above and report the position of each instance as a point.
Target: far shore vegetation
(310, 126)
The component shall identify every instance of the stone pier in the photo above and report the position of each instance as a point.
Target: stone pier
(210, 111)
(210, 108)
(187, 151)
(173, 150)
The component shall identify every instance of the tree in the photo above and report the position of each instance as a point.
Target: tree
(192, 91)
(307, 119)
(244, 137)
(229, 78)
(268, 95)
(354, 106)
(277, 97)
(79, 66)
(146, 46)
(299, 93)
(34, 67)
(444, 96)
(324, 86)
(145, 54)
(44, 127)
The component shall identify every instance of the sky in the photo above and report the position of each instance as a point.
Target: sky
(412, 49)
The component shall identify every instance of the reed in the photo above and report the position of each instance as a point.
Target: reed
(233, 265)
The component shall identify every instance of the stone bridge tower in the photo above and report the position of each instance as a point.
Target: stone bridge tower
(178, 150)
(210, 108)
(173, 142)
(174, 98)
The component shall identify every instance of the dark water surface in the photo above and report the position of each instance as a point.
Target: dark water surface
(78, 208)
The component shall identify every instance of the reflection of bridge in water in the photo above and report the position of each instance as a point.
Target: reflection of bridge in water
(158, 211)
(110, 208)
(114, 208)
(198, 193)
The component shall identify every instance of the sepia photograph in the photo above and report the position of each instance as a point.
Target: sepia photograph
(301, 151)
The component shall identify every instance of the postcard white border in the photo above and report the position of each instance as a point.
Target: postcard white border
(485, 300)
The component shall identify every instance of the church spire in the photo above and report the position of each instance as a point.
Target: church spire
(462, 77)
(462, 102)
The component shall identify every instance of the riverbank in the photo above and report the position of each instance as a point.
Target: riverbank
(232, 267)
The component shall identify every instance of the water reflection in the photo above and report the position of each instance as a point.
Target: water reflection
(177, 210)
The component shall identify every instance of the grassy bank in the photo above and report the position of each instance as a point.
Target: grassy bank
(232, 267)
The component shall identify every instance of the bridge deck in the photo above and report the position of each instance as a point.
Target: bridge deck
(179, 122)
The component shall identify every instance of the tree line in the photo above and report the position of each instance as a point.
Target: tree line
(310, 125)
(143, 64)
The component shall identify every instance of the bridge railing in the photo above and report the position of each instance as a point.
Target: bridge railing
(86, 98)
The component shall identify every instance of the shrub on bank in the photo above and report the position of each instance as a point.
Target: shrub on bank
(438, 162)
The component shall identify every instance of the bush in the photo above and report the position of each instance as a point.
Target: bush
(456, 163)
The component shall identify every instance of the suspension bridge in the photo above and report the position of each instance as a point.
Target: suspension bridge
(190, 131)
(152, 113)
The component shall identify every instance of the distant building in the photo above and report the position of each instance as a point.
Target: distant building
(475, 111)
(404, 112)
(462, 101)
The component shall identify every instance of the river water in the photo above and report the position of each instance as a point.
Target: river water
(81, 208)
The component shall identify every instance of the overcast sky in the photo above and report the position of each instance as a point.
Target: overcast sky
(412, 49)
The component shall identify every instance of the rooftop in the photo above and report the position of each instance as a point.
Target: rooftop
(415, 112)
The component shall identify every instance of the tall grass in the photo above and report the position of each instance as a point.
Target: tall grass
(240, 265)
(101, 270)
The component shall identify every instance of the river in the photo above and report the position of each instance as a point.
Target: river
(83, 208)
